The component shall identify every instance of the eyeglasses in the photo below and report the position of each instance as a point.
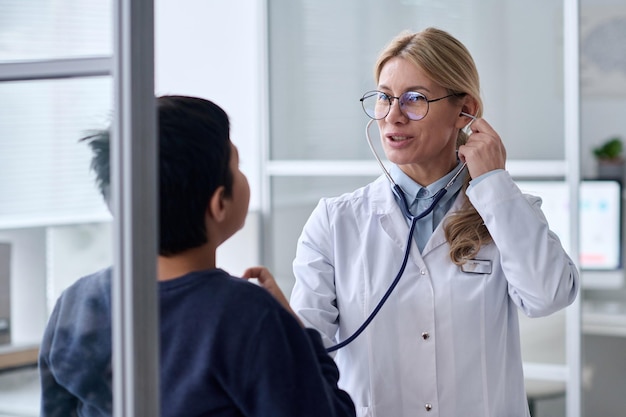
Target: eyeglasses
(413, 105)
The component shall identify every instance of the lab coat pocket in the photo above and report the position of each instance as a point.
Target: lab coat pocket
(477, 266)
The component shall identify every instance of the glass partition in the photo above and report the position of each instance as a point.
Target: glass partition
(45, 171)
(54, 226)
(603, 98)
(322, 56)
(52, 218)
(44, 29)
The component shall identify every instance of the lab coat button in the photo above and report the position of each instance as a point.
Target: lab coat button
(428, 406)
(425, 336)
(423, 272)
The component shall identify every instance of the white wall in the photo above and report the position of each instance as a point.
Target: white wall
(213, 49)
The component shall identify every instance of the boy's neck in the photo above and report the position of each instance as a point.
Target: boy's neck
(196, 259)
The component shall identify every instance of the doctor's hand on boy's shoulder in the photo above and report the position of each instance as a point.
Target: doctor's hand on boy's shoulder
(267, 281)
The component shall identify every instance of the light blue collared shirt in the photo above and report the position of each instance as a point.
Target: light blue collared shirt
(419, 199)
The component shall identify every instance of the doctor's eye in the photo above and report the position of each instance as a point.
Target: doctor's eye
(383, 97)
(412, 97)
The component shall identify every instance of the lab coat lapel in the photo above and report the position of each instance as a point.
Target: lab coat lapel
(438, 237)
(391, 219)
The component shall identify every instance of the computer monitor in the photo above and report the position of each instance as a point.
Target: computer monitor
(600, 212)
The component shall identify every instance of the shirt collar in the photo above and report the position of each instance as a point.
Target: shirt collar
(413, 191)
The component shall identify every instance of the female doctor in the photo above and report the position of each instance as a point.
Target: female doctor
(446, 343)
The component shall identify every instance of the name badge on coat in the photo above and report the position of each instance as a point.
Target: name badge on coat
(477, 266)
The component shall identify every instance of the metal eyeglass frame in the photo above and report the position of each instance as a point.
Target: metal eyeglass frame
(400, 102)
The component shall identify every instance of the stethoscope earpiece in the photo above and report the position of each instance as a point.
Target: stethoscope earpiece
(467, 129)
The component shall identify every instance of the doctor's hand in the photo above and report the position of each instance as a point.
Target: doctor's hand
(267, 281)
(484, 150)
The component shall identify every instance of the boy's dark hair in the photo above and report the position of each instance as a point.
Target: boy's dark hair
(194, 160)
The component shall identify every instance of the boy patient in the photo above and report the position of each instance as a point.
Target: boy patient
(228, 347)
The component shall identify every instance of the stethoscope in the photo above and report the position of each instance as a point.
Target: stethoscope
(404, 207)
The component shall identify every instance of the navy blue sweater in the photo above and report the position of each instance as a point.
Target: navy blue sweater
(227, 349)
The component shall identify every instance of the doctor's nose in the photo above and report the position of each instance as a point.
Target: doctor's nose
(396, 115)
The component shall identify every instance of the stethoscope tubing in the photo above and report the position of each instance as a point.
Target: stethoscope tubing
(407, 251)
(407, 213)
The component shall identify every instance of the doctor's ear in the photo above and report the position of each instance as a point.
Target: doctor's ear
(470, 106)
(469, 111)
(465, 119)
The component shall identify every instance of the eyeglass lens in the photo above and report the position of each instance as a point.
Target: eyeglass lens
(378, 104)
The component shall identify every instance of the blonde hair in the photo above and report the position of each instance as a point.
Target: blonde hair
(447, 62)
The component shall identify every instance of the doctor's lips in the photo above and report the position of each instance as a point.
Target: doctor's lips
(397, 138)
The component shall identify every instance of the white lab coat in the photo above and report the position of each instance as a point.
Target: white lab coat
(447, 342)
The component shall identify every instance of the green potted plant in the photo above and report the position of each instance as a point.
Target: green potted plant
(610, 158)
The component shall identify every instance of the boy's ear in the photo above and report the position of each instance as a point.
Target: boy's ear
(217, 205)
